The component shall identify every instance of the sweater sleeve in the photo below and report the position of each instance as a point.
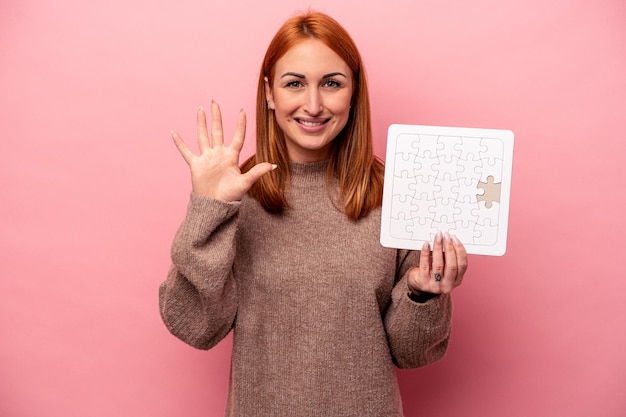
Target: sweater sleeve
(198, 300)
(418, 333)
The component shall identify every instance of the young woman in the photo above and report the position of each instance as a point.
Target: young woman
(285, 251)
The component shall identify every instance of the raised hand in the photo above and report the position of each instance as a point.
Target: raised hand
(215, 172)
(442, 270)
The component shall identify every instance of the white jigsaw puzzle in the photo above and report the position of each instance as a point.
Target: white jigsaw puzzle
(447, 179)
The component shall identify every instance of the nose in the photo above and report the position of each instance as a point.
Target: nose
(313, 103)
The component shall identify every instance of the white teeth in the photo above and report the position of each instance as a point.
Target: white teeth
(307, 123)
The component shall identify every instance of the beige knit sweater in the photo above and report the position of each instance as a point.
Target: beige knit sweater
(319, 308)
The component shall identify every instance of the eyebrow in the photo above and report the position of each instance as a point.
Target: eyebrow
(302, 76)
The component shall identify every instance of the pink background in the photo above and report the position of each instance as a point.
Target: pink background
(92, 190)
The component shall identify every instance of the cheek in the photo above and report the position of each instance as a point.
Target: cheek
(285, 105)
(340, 104)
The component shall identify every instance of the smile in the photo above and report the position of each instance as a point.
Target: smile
(312, 123)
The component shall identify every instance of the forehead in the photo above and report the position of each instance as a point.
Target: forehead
(311, 57)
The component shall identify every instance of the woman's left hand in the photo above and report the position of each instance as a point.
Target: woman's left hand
(442, 270)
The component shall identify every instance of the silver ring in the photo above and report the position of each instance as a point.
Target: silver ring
(437, 276)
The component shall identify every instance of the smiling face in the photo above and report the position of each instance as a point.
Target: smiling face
(310, 96)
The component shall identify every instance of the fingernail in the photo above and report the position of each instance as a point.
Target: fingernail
(438, 237)
(455, 240)
(447, 238)
(201, 108)
(274, 166)
(426, 246)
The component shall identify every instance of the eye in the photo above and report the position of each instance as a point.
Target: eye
(332, 84)
(293, 84)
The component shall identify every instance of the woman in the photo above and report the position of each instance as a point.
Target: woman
(285, 252)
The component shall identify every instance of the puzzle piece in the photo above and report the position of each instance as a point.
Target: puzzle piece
(495, 149)
(449, 148)
(406, 164)
(404, 187)
(443, 225)
(488, 234)
(467, 205)
(427, 168)
(484, 214)
(447, 167)
(409, 144)
(490, 168)
(470, 190)
(429, 146)
(426, 186)
(445, 207)
(467, 235)
(422, 231)
(424, 206)
(471, 169)
(469, 150)
(400, 207)
(400, 227)
(447, 185)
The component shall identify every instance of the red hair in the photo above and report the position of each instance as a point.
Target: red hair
(352, 164)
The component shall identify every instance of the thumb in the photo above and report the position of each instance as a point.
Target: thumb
(258, 171)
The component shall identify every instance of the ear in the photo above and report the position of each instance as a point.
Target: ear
(269, 97)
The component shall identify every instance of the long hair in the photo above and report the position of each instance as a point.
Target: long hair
(352, 164)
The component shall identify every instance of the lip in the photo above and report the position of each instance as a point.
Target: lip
(312, 124)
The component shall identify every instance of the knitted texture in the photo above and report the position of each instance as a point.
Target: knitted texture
(319, 308)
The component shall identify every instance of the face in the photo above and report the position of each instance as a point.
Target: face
(310, 96)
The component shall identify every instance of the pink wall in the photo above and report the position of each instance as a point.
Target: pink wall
(92, 190)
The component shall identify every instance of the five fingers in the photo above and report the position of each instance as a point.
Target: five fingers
(215, 171)
(216, 139)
